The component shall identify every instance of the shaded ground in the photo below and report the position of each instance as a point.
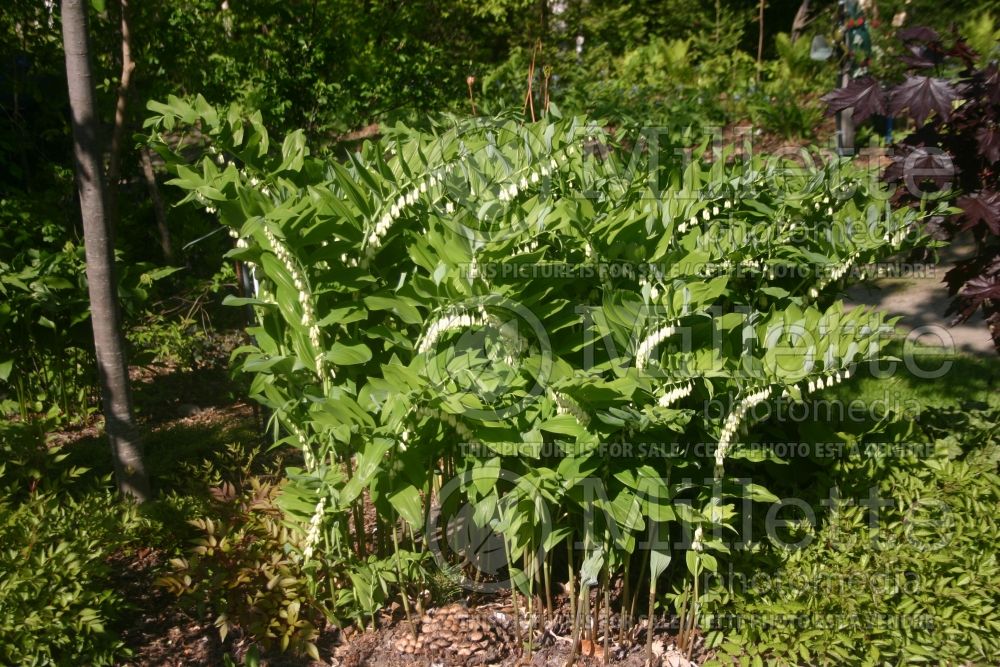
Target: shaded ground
(188, 419)
(160, 633)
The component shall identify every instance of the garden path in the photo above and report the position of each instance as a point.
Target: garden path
(921, 298)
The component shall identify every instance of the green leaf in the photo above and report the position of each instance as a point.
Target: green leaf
(407, 502)
(758, 493)
(439, 273)
(402, 308)
(590, 570)
(659, 560)
(368, 464)
(239, 301)
(348, 355)
(692, 562)
(293, 151)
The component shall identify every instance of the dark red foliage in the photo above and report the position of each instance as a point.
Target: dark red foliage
(920, 169)
(991, 83)
(955, 147)
(920, 34)
(921, 95)
(864, 95)
(980, 208)
(920, 58)
(988, 137)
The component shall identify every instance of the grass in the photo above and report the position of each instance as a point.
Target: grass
(964, 381)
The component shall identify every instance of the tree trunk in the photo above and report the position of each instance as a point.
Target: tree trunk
(118, 131)
(112, 366)
(158, 210)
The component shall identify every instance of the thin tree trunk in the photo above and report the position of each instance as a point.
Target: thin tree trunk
(158, 209)
(118, 132)
(760, 38)
(112, 365)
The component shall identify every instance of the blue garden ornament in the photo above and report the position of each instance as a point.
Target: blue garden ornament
(820, 49)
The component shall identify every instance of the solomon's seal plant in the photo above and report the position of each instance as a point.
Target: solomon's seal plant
(616, 294)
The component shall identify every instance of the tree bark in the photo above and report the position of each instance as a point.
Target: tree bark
(158, 210)
(118, 131)
(112, 365)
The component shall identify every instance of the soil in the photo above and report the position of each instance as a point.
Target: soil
(160, 632)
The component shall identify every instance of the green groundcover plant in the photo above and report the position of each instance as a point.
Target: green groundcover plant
(57, 533)
(909, 578)
(531, 334)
